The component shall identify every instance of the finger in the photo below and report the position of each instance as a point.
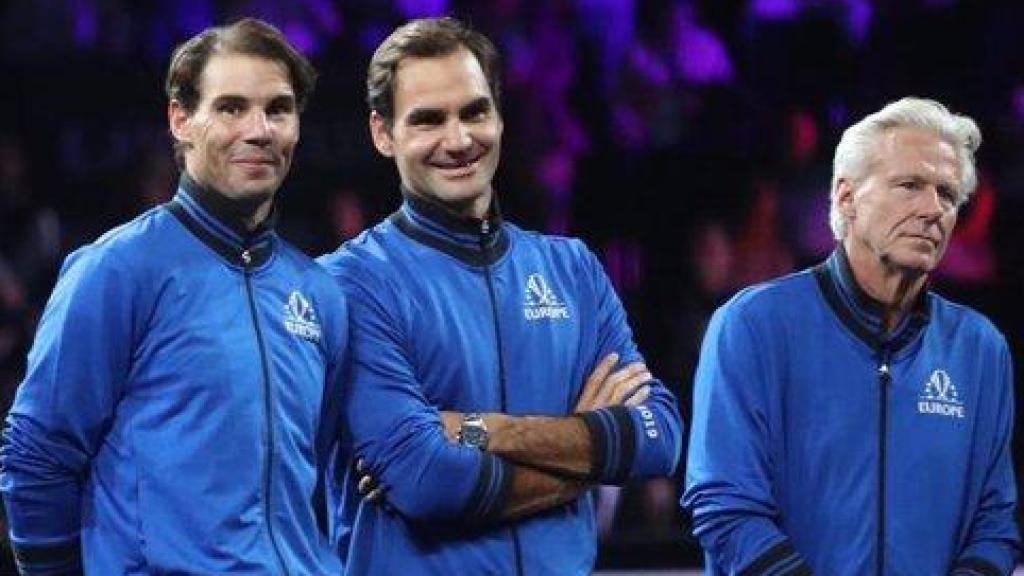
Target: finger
(618, 383)
(607, 390)
(377, 495)
(638, 396)
(366, 484)
(626, 388)
(596, 380)
(630, 386)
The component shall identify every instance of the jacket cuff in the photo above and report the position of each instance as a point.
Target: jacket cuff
(493, 483)
(975, 567)
(779, 560)
(612, 443)
(64, 559)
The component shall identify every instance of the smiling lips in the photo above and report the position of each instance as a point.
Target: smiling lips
(458, 168)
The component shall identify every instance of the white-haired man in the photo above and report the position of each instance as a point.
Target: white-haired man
(847, 420)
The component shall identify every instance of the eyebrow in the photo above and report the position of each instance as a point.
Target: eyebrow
(230, 99)
(239, 99)
(481, 104)
(425, 116)
(437, 115)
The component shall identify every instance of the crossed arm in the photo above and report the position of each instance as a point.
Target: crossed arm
(553, 460)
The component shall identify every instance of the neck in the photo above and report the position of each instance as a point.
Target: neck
(246, 214)
(479, 208)
(894, 288)
(258, 216)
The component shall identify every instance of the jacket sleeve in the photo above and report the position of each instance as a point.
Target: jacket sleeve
(629, 442)
(76, 368)
(396, 431)
(329, 431)
(993, 543)
(728, 484)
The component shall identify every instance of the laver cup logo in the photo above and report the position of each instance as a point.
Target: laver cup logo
(541, 301)
(939, 397)
(300, 318)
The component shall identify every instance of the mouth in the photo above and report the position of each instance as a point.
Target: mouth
(458, 169)
(253, 162)
(933, 241)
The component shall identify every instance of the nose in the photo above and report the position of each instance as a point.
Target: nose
(457, 136)
(258, 128)
(932, 204)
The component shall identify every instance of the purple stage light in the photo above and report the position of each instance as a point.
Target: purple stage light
(86, 23)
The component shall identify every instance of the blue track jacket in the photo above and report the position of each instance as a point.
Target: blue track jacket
(820, 445)
(476, 316)
(168, 420)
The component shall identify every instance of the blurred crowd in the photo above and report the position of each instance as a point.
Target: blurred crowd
(689, 142)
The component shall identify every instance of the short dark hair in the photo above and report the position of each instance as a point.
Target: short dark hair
(426, 38)
(248, 36)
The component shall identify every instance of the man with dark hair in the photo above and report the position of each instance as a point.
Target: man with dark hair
(848, 420)
(469, 403)
(180, 395)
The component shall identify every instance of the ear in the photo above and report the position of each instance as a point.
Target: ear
(842, 197)
(381, 133)
(179, 121)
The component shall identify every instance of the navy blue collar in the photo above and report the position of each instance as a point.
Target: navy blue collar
(861, 313)
(218, 222)
(477, 242)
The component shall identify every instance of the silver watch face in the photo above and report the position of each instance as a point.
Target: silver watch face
(473, 432)
(473, 436)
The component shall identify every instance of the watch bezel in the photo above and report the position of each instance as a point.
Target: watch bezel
(473, 431)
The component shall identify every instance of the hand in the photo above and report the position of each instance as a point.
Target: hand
(627, 386)
(368, 487)
(452, 422)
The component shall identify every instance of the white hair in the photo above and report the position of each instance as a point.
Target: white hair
(856, 148)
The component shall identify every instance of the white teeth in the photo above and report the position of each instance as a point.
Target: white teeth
(455, 165)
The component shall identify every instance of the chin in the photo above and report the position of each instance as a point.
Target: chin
(915, 262)
(458, 194)
(255, 188)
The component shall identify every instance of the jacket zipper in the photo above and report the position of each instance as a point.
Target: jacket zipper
(485, 233)
(267, 411)
(884, 383)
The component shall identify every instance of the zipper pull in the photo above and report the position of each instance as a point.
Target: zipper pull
(883, 372)
(485, 227)
(246, 257)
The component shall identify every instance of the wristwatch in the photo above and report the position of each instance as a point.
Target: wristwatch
(473, 431)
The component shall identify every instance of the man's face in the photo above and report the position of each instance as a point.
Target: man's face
(242, 134)
(446, 133)
(903, 211)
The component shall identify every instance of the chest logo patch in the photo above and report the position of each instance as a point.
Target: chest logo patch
(541, 301)
(300, 318)
(940, 397)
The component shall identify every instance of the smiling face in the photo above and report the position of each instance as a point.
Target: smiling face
(901, 214)
(240, 138)
(446, 133)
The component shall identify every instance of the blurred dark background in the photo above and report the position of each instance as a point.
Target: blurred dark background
(689, 142)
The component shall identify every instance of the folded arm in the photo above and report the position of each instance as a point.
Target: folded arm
(625, 424)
